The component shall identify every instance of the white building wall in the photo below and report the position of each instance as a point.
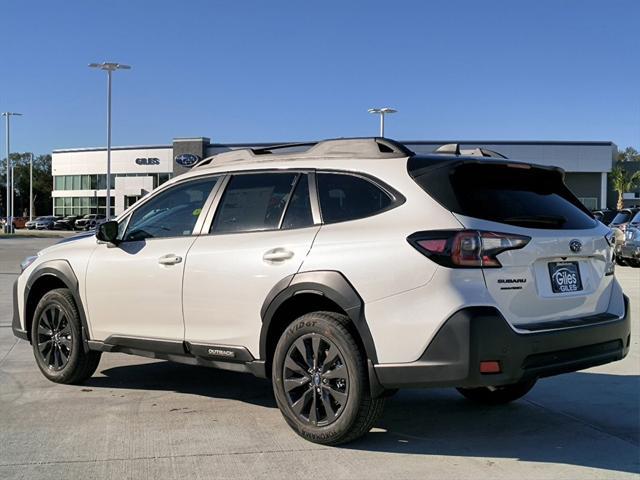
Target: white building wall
(86, 162)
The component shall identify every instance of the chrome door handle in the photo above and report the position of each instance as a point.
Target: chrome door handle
(277, 255)
(169, 259)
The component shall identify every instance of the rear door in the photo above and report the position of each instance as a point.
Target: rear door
(261, 233)
(564, 271)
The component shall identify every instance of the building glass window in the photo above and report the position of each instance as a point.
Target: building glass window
(59, 182)
(68, 179)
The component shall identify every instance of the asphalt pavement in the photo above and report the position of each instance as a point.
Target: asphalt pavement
(140, 418)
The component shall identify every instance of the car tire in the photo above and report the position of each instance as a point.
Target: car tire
(323, 392)
(498, 395)
(56, 337)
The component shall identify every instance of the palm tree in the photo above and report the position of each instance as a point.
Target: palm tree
(623, 181)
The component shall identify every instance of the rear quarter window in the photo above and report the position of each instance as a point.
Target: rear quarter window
(520, 196)
(349, 197)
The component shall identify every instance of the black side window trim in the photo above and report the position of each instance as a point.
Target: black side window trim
(396, 197)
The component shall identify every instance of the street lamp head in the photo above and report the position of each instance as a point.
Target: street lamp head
(110, 66)
(382, 110)
(9, 114)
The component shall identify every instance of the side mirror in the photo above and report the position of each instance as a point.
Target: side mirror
(108, 232)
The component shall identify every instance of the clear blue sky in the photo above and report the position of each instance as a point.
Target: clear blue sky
(298, 70)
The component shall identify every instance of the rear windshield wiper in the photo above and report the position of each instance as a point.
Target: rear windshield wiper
(546, 220)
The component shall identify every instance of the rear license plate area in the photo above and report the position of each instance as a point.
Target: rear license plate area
(565, 277)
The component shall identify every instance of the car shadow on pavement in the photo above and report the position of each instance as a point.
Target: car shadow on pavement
(584, 418)
(176, 377)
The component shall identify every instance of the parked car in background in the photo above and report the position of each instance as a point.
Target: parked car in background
(605, 216)
(19, 222)
(629, 253)
(88, 221)
(635, 220)
(623, 217)
(619, 226)
(31, 224)
(46, 223)
(66, 223)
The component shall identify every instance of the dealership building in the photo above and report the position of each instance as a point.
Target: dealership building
(79, 174)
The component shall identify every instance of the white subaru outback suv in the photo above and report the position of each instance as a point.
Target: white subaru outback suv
(342, 272)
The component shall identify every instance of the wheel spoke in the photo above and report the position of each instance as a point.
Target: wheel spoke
(313, 412)
(51, 355)
(302, 348)
(45, 321)
(294, 366)
(56, 318)
(43, 330)
(315, 349)
(339, 371)
(338, 396)
(66, 342)
(293, 383)
(43, 346)
(301, 402)
(63, 356)
(328, 407)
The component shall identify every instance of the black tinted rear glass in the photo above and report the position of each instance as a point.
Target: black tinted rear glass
(348, 197)
(525, 197)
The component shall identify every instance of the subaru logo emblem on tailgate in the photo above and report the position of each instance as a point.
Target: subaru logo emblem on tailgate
(575, 246)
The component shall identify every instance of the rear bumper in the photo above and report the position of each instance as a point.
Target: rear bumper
(478, 334)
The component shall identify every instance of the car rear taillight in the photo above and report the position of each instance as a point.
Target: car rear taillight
(466, 248)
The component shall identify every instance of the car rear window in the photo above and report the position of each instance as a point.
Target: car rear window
(515, 194)
(621, 217)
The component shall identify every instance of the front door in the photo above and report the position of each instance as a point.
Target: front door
(135, 288)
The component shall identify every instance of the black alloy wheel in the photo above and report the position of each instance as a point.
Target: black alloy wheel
(55, 337)
(316, 380)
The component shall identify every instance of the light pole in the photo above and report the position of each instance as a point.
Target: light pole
(9, 224)
(382, 112)
(109, 67)
(31, 187)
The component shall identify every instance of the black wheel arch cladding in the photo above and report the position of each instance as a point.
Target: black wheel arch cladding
(63, 273)
(329, 284)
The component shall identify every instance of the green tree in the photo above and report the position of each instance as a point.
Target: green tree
(629, 154)
(623, 181)
(42, 184)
